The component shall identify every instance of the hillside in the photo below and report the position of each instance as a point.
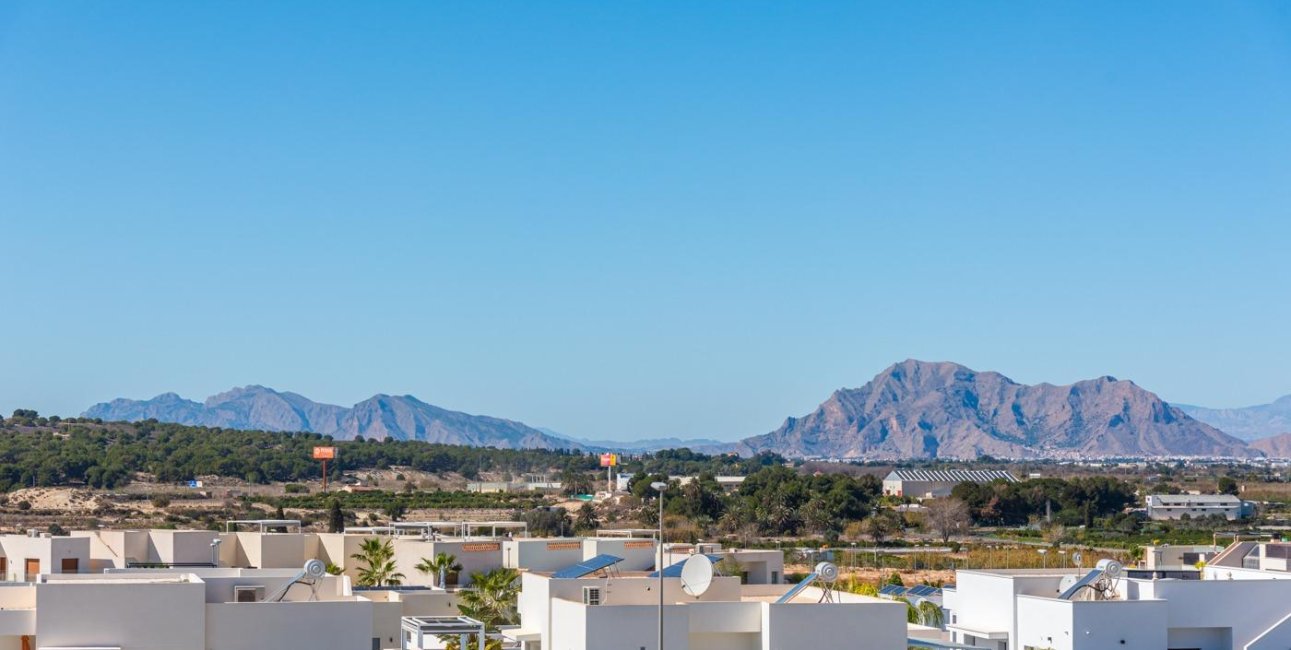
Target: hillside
(917, 409)
(381, 416)
(1247, 423)
(1278, 446)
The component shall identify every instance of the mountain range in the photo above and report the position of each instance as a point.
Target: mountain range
(1278, 446)
(913, 409)
(380, 416)
(1247, 423)
(918, 409)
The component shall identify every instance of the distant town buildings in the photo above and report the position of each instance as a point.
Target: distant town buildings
(926, 483)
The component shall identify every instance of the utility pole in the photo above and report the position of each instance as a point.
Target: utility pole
(660, 487)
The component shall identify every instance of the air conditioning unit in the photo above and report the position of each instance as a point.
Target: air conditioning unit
(248, 594)
(591, 595)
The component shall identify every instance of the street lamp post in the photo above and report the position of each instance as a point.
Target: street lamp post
(659, 487)
(1044, 558)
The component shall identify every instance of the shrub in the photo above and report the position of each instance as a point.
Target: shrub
(295, 488)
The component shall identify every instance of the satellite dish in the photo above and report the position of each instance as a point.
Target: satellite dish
(315, 569)
(1066, 583)
(1076, 558)
(696, 575)
(826, 571)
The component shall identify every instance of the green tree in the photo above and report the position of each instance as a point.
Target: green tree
(395, 509)
(586, 519)
(490, 600)
(1227, 485)
(881, 525)
(377, 566)
(335, 517)
(442, 565)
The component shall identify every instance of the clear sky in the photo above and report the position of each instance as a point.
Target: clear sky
(630, 219)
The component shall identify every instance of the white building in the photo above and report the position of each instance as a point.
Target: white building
(1198, 506)
(147, 610)
(23, 557)
(1244, 603)
(926, 483)
(621, 611)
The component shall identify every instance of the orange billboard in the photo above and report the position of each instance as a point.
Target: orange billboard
(609, 460)
(324, 453)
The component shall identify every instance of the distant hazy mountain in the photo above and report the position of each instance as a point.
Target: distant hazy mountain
(917, 409)
(381, 416)
(1278, 446)
(649, 444)
(1247, 423)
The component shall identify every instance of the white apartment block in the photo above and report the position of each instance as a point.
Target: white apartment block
(621, 611)
(1243, 603)
(147, 610)
(1197, 506)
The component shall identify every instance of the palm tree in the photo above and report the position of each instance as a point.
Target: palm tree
(931, 614)
(378, 567)
(925, 613)
(491, 601)
(442, 565)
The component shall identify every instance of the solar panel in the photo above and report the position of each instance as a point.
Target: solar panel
(923, 591)
(602, 561)
(892, 591)
(674, 571)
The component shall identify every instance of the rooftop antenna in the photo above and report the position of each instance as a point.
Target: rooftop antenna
(696, 575)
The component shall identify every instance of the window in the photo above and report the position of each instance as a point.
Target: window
(248, 593)
(70, 565)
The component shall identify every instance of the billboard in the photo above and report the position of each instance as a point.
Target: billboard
(324, 453)
(609, 460)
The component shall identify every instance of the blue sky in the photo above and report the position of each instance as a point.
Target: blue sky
(636, 219)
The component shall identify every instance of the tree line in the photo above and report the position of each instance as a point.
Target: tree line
(36, 451)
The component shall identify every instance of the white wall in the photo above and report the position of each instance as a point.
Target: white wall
(1103, 624)
(1249, 607)
(337, 625)
(50, 551)
(871, 626)
(542, 554)
(472, 555)
(138, 616)
(637, 554)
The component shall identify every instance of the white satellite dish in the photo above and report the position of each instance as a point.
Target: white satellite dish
(1076, 559)
(1066, 583)
(696, 575)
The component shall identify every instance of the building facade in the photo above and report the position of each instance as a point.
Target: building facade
(932, 483)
